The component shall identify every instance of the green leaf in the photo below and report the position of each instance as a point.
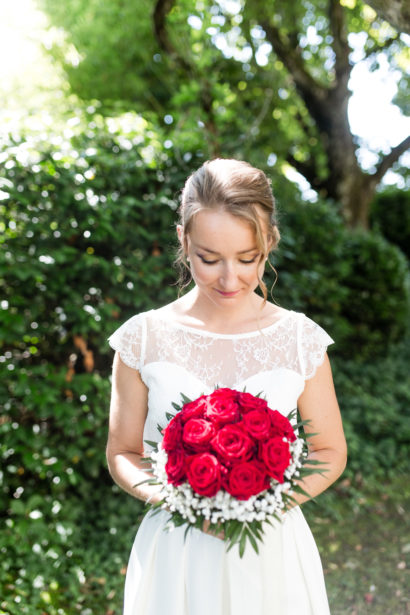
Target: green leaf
(233, 530)
(298, 489)
(148, 481)
(151, 443)
(242, 544)
(188, 527)
(314, 462)
(253, 541)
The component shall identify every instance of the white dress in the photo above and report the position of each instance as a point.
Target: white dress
(168, 575)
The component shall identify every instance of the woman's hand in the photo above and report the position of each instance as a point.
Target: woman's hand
(205, 528)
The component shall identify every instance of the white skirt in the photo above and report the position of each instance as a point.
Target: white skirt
(172, 575)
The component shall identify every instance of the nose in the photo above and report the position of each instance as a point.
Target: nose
(229, 277)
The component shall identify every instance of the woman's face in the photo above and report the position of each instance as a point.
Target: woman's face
(224, 257)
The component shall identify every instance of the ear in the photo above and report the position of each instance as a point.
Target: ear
(180, 233)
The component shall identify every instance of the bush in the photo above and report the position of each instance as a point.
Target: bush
(355, 284)
(311, 264)
(390, 214)
(374, 398)
(378, 300)
(86, 242)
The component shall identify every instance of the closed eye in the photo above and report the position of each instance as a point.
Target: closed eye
(244, 262)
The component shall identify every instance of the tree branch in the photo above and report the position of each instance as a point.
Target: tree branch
(390, 158)
(340, 45)
(293, 60)
(308, 169)
(314, 94)
(161, 10)
(382, 46)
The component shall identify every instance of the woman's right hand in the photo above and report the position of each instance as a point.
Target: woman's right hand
(205, 528)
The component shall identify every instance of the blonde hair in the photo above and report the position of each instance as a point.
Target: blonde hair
(238, 188)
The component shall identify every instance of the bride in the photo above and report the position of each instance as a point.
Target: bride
(222, 333)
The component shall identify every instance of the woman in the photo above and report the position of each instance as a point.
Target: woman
(222, 333)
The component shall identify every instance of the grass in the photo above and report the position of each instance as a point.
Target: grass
(365, 548)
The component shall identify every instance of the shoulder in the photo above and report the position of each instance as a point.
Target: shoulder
(129, 339)
(313, 341)
(135, 322)
(310, 327)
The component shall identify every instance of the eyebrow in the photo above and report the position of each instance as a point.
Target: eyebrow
(213, 251)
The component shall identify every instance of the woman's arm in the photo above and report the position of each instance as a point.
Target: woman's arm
(125, 448)
(318, 405)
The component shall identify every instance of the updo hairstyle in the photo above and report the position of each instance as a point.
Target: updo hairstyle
(236, 187)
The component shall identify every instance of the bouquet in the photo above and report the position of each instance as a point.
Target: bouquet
(229, 459)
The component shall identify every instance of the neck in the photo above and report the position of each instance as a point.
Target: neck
(208, 313)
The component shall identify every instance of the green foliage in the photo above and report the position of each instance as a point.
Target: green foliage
(222, 88)
(378, 301)
(355, 284)
(390, 214)
(311, 263)
(73, 555)
(117, 72)
(86, 241)
(374, 397)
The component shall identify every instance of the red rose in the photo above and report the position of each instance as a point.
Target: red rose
(276, 456)
(204, 474)
(172, 434)
(222, 407)
(194, 409)
(232, 444)
(197, 434)
(175, 466)
(258, 424)
(281, 426)
(248, 402)
(246, 479)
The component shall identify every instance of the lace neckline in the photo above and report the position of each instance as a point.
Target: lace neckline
(177, 325)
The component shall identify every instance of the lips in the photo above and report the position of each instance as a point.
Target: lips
(224, 294)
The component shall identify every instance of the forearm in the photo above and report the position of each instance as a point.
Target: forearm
(127, 470)
(334, 463)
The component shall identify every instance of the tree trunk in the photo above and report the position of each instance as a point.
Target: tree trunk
(346, 182)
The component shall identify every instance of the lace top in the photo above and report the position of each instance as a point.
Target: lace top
(174, 358)
(294, 342)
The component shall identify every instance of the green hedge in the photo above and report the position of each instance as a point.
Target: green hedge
(390, 214)
(354, 283)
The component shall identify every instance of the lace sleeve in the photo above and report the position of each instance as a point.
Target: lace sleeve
(129, 341)
(313, 342)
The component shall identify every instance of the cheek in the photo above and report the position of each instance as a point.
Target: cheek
(253, 271)
(201, 272)
(260, 269)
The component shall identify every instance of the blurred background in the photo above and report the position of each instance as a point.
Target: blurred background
(106, 108)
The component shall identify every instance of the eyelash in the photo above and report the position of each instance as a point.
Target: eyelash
(214, 262)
